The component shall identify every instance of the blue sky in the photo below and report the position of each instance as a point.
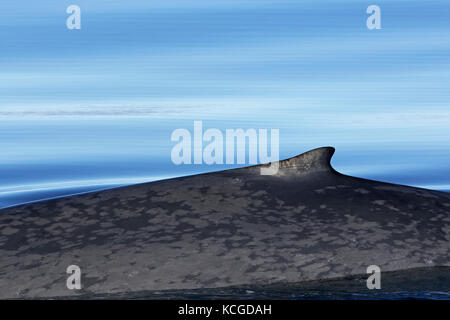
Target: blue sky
(110, 94)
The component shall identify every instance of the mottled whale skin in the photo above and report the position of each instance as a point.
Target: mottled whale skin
(228, 228)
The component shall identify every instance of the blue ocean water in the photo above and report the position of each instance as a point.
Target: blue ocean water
(94, 108)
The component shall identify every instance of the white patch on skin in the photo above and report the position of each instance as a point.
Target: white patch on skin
(299, 209)
(9, 231)
(363, 191)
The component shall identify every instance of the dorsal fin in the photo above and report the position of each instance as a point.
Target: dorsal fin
(316, 160)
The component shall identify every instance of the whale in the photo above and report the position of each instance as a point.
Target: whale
(232, 228)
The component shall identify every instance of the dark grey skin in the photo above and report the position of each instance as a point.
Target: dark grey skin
(228, 228)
